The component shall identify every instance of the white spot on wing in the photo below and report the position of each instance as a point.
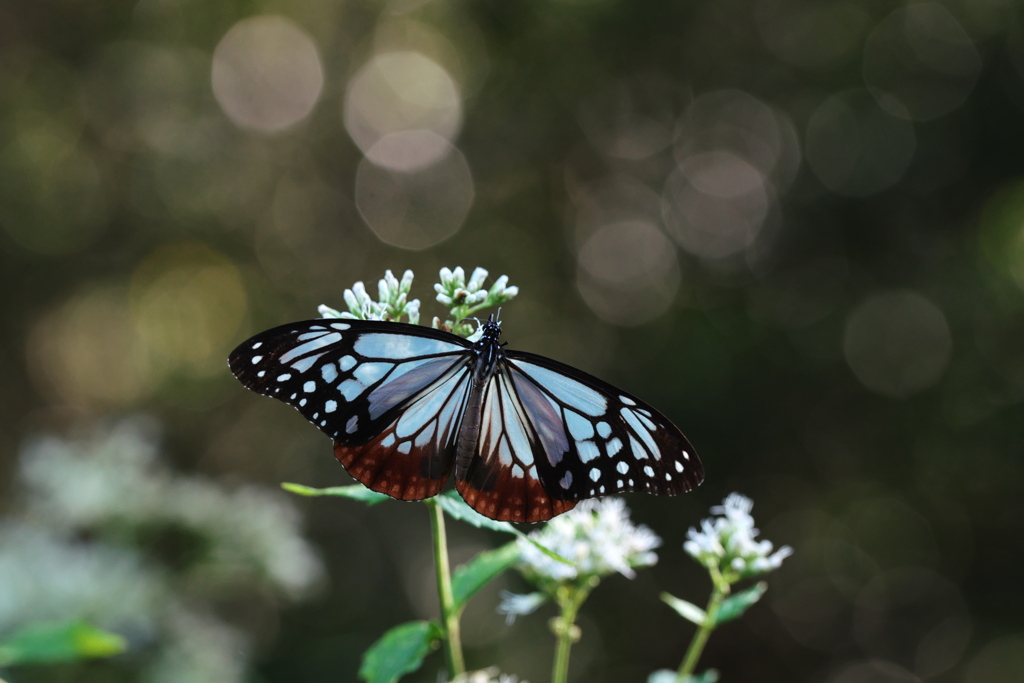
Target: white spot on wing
(387, 440)
(644, 434)
(648, 470)
(644, 419)
(353, 424)
(329, 372)
(604, 429)
(679, 465)
(588, 450)
(517, 472)
(347, 363)
(405, 447)
(256, 359)
(307, 362)
(595, 474)
(311, 346)
(285, 377)
(330, 406)
(566, 481)
(341, 326)
(614, 446)
(350, 389)
(261, 373)
(627, 400)
(638, 451)
(257, 345)
(622, 467)
(309, 387)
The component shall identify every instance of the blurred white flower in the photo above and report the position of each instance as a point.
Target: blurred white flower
(491, 675)
(81, 547)
(516, 605)
(728, 542)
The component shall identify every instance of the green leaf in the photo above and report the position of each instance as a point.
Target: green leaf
(456, 508)
(399, 651)
(687, 610)
(62, 642)
(475, 574)
(734, 606)
(355, 492)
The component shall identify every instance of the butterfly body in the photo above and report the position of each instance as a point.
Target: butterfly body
(526, 436)
(487, 352)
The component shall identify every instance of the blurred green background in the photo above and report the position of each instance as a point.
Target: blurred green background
(795, 226)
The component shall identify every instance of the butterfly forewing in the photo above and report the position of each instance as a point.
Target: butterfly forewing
(598, 439)
(346, 378)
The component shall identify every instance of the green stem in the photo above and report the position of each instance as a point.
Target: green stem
(570, 599)
(700, 638)
(449, 613)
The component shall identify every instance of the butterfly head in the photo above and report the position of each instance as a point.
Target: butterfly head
(489, 329)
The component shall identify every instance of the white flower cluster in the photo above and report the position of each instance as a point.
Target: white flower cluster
(454, 291)
(728, 542)
(393, 301)
(597, 537)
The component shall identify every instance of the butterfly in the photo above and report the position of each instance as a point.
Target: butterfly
(527, 437)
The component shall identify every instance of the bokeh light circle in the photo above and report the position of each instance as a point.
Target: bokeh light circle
(266, 73)
(897, 343)
(418, 209)
(397, 92)
(855, 147)
(108, 347)
(737, 122)
(628, 272)
(714, 204)
(920, 63)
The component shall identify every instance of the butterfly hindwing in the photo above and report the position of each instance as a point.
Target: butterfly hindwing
(598, 439)
(504, 481)
(412, 457)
